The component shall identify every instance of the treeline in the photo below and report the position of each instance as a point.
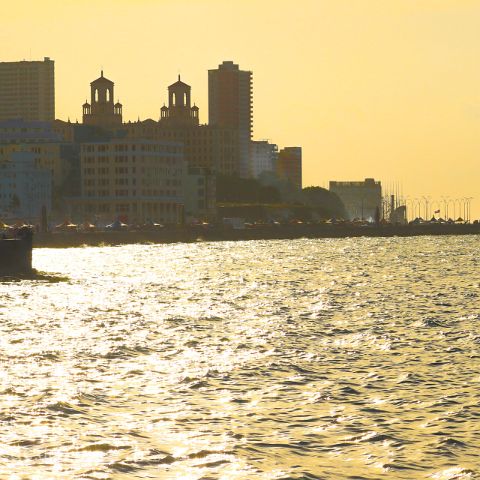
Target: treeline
(269, 189)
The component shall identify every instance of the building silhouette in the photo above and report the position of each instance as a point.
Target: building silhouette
(361, 199)
(179, 112)
(209, 147)
(230, 106)
(27, 90)
(101, 111)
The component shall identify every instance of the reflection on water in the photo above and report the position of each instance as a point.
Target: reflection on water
(307, 359)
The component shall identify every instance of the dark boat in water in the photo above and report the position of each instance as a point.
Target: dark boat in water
(16, 253)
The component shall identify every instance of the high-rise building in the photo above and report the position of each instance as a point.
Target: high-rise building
(230, 106)
(27, 90)
(289, 165)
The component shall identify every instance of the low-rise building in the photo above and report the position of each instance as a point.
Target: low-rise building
(49, 151)
(362, 200)
(25, 188)
(200, 194)
(135, 180)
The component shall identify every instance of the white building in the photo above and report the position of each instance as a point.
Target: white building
(263, 157)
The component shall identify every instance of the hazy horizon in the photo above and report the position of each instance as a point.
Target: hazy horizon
(368, 88)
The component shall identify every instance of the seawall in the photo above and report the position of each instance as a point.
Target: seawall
(193, 234)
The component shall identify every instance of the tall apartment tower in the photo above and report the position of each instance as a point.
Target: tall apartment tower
(27, 90)
(230, 106)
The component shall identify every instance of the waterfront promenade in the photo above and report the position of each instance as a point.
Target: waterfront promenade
(261, 232)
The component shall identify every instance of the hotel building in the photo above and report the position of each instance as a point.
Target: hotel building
(137, 180)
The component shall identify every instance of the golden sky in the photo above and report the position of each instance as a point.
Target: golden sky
(369, 88)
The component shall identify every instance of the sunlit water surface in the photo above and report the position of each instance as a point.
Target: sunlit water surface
(307, 359)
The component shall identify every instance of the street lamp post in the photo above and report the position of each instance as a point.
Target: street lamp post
(445, 207)
(426, 208)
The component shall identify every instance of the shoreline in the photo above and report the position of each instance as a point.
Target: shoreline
(290, 232)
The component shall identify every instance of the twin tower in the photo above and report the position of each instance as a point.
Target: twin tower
(102, 112)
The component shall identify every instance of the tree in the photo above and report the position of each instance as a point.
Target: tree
(326, 203)
(232, 189)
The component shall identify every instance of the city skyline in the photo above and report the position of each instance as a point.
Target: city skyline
(391, 92)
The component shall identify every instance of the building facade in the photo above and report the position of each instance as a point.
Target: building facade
(27, 90)
(25, 188)
(200, 195)
(289, 165)
(263, 157)
(205, 146)
(361, 199)
(136, 180)
(41, 141)
(230, 105)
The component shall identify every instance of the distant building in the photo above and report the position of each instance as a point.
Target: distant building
(205, 146)
(230, 106)
(138, 180)
(200, 194)
(27, 90)
(39, 139)
(27, 131)
(289, 165)
(102, 111)
(24, 188)
(263, 157)
(361, 199)
(208, 147)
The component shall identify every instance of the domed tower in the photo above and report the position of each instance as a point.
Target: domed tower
(86, 108)
(117, 109)
(179, 111)
(102, 112)
(194, 112)
(163, 112)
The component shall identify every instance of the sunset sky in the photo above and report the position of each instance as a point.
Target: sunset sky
(369, 88)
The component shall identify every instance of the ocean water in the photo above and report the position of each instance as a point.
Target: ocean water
(306, 359)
